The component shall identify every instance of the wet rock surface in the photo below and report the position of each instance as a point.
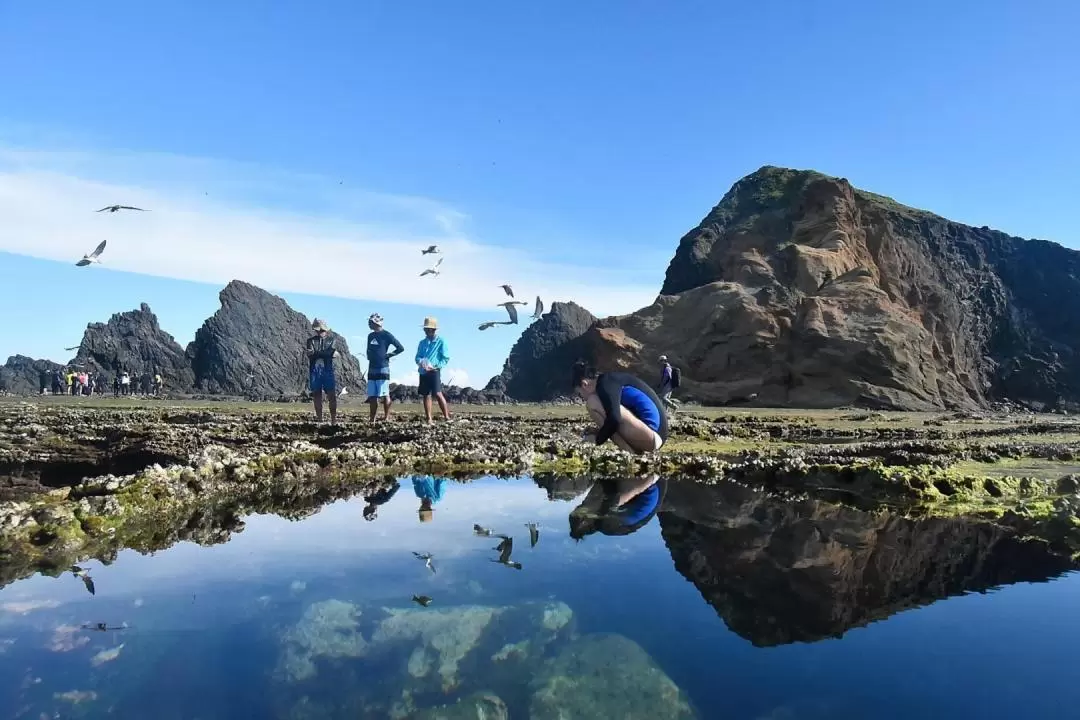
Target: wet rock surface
(79, 480)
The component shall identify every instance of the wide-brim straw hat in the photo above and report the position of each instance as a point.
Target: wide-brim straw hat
(431, 323)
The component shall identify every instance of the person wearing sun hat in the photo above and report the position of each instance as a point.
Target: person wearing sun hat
(431, 358)
(379, 342)
(321, 350)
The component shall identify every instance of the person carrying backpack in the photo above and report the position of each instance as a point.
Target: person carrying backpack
(670, 378)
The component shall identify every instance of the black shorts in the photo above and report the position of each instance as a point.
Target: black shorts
(430, 383)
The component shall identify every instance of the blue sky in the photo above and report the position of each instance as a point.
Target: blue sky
(560, 146)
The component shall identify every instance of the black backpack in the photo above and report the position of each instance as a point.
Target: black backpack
(676, 377)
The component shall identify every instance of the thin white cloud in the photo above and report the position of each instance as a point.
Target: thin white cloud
(215, 221)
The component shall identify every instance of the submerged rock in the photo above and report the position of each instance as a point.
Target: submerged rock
(328, 629)
(478, 706)
(606, 676)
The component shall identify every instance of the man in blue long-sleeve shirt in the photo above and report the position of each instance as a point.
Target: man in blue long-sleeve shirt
(379, 342)
(431, 358)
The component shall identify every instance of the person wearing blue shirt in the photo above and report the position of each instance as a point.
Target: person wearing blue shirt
(431, 358)
(430, 491)
(379, 342)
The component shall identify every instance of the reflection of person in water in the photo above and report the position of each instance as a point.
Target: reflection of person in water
(618, 507)
(430, 491)
(379, 497)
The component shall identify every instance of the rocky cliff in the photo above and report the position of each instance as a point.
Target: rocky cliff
(134, 342)
(254, 346)
(530, 373)
(811, 293)
(779, 572)
(21, 375)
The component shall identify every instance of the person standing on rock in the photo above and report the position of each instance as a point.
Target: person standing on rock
(667, 382)
(321, 351)
(431, 358)
(625, 409)
(379, 341)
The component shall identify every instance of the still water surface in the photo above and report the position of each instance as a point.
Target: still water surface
(682, 602)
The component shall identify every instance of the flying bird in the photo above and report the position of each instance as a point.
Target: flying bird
(73, 348)
(539, 309)
(480, 530)
(92, 257)
(430, 249)
(511, 310)
(114, 208)
(421, 600)
(534, 534)
(489, 324)
(433, 270)
(509, 290)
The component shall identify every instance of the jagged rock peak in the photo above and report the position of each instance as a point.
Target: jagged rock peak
(546, 344)
(134, 342)
(254, 346)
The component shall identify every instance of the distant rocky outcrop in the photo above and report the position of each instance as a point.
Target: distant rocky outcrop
(133, 342)
(539, 363)
(21, 375)
(779, 571)
(453, 394)
(254, 346)
(804, 291)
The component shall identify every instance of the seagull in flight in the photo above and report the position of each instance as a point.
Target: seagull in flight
(433, 270)
(430, 250)
(539, 309)
(92, 257)
(511, 310)
(114, 208)
(73, 348)
(509, 290)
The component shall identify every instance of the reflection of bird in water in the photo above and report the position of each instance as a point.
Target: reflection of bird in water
(85, 576)
(114, 208)
(534, 534)
(482, 531)
(539, 309)
(102, 627)
(92, 257)
(505, 548)
(421, 600)
(427, 558)
(430, 249)
(509, 290)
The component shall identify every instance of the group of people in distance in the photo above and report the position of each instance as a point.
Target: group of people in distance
(626, 410)
(431, 357)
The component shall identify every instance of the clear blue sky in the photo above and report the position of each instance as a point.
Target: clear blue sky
(554, 126)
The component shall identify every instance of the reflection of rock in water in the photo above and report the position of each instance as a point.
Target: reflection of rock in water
(785, 571)
(605, 676)
(562, 487)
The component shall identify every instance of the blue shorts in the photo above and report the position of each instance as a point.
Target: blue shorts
(322, 379)
(378, 388)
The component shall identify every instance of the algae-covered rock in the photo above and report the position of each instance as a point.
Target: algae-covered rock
(478, 706)
(328, 629)
(606, 676)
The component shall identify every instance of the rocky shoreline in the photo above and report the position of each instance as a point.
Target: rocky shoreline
(79, 482)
